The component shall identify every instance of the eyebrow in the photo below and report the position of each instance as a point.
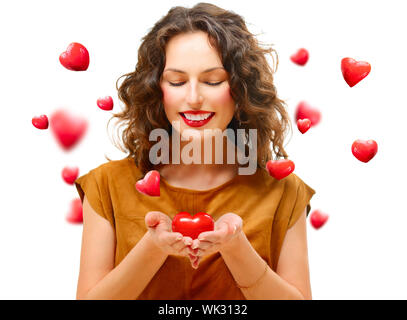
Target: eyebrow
(206, 71)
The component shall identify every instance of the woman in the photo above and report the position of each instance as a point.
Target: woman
(198, 60)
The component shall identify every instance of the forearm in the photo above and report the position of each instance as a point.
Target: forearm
(128, 280)
(247, 266)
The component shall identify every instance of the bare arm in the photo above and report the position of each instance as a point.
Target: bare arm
(291, 281)
(99, 279)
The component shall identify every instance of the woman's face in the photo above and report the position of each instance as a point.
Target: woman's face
(194, 81)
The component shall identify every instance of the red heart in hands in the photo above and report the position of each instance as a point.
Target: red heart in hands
(280, 169)
(318, 218)
(300, 57)
(303, 125)
(306, 111)
(67, 128)
(364, 150)
(70, 174)
(75, 58)
(75, 215)
(190, 226)
(150, 184)
(105, 103)
(354, 71)
(40, 122)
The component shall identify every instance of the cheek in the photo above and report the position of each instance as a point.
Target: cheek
(226, 100)
(170, 98)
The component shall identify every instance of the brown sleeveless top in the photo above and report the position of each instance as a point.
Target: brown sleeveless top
(267, 206)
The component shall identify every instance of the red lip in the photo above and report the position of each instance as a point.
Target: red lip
(196, 112)
(195, 124)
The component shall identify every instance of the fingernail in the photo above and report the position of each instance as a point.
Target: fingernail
(179, 237)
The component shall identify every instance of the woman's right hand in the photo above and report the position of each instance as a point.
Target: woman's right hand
(172, 243)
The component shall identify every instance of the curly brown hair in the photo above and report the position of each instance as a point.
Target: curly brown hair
(250, 81)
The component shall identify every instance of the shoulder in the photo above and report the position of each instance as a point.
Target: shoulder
(292, 183)
(289, 184)
(290, 193)
(117, 168)
(115, 165)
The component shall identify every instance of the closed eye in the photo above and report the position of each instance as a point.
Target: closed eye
(178, 84)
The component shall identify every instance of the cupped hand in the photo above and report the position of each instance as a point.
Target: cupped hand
(160, 229)
(227, 227)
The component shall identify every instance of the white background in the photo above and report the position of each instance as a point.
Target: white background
(360, 252)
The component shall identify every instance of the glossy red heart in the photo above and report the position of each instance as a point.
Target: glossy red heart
(280, 169)
(364, 150)
(105, 103)
(303, 125)
(190, 226)
(150, 184)
(318, 218)
(306, 111)
(354, 71)
(40, 122)
(67, 128)
(75, 215)
(75, 58)
(300, 57)
(69, 174)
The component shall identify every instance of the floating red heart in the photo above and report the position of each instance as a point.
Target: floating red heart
(150, 184)
(354, 71)
(75, 58)
(306, 111)
(75, 215)
(105, 103)
(364, 150)
(40, 122)
(318, 218)
(303, 125)
(300, 57)
(70, 174)
(280, 169)
(67, 128)
(190, 226)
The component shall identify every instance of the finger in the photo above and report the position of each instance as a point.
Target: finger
(171, 238)
(194, 261)
(213, 247)
(199, 253)
(179, 248)
(195, 244)
(195, 264)
(194, 252)
(187, 240)
(204, 245)
(184, 251)
(152, 218)
(215, 236)
(192, 257)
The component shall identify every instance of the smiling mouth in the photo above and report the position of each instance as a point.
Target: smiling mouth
(197, 117)
(197, 120)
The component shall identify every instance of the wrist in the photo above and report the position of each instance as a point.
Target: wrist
(153, 247)
(233, 244)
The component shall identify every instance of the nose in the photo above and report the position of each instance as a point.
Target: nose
(194, 98)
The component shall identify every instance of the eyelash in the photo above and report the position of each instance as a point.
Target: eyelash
(181, 83)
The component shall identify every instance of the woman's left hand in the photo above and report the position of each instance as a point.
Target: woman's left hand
(227, 227)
